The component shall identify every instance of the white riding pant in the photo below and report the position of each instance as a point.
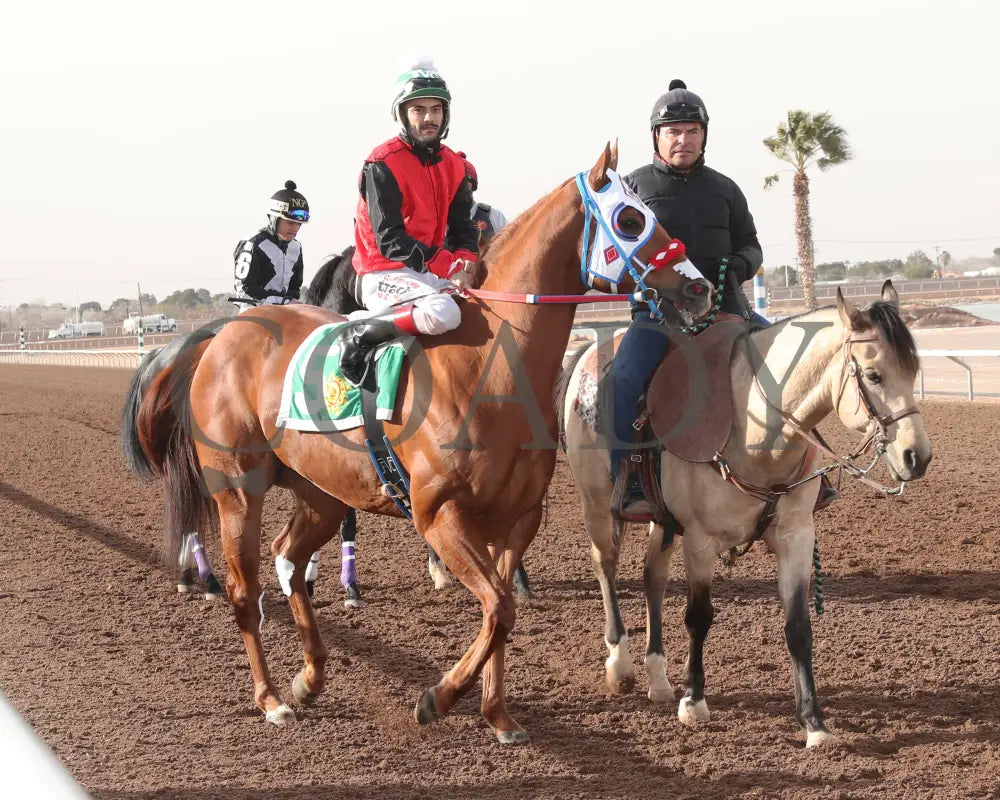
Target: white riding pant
(433, 313)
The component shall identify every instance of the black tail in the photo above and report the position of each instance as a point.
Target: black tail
(333, 286)
(162, 434)
(152, 365)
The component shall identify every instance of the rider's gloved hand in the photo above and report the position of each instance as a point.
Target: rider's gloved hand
(463, 273)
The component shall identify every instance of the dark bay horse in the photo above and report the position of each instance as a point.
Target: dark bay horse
(856, 364)
(479, 466)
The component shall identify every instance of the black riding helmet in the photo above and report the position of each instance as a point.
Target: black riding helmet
(678, 105)
(287, 204)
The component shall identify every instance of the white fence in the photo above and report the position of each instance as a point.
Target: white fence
(124, 359)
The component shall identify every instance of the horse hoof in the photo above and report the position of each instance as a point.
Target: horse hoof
(303, 695)
(513, 737)
(426, 710)
(660, 694)
(282, 715)
(310, 588)
(212, 588)
(620, 684)
(820, 738)
(352, 597)
(185, 584)
(692, 713)
(660, 690)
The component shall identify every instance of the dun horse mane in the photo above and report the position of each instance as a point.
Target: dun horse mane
(882, 317)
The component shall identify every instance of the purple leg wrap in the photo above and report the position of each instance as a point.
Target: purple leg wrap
(348, 572)
(204, 567)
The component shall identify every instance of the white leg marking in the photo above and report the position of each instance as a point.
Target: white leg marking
(439, 573)
(660, 690)
(691, 713)
(282, 715)
(285, 570)
(820, 739)
(619, 669)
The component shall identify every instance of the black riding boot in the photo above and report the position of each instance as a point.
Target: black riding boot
(827, 494)
(360, 342)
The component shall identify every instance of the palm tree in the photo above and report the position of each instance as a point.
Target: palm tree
(803, 141)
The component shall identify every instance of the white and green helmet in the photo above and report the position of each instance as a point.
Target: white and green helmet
(422, 80)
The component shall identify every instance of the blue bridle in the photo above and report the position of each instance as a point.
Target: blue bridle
(592, 211)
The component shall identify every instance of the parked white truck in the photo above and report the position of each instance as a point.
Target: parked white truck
(74, 330)
(152, 323)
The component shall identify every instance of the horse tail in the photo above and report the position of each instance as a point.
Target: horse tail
(135, 459)
(163, 431)
(333, 285)
(151, 365)
(569, 363)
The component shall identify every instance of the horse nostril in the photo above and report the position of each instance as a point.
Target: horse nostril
(697, 288)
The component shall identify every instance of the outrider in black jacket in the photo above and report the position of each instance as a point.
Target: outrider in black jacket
(268, 269)
(708, 212)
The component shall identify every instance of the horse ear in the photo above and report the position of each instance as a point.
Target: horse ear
(889, 294)
(598, 177)
(846, 310)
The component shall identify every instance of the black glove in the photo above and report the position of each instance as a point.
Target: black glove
(738, 267)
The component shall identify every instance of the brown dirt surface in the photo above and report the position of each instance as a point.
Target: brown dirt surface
(143, 694)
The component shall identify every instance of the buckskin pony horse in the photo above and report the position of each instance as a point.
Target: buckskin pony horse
(747, 406)
(478, 469)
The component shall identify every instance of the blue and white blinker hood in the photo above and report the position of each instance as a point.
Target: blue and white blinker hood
(614, 252)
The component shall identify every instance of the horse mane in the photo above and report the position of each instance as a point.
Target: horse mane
(329, 289)
(497, 242)
(885, 319)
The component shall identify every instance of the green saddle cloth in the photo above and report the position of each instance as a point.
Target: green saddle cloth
(316, 397)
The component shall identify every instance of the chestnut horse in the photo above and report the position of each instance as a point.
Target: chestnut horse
(859, 364)
(478, 466)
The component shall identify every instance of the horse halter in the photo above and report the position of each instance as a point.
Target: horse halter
(878, 435)
(880, 424)
(614, 252)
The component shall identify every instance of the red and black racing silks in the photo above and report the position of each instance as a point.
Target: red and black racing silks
(414, 211)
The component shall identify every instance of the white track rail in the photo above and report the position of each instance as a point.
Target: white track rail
(129, 359)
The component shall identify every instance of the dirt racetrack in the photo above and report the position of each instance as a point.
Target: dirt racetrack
(142, 693)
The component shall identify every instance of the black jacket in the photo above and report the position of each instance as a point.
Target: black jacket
(708, 212)
(268, 269)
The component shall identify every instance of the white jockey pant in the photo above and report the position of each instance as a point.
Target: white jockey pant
(433, 313)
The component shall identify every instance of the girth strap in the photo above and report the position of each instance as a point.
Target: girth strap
(390, 471)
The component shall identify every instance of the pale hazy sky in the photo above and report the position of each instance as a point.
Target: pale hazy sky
(141, 140)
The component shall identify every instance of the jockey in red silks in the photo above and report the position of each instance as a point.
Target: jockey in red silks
(413, 231)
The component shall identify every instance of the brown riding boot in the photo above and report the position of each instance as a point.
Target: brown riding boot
(628, 500)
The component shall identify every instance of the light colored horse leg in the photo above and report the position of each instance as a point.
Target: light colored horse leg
(619, 669)
(699, 561)
(239, 521)
(793, 549)
(593, 480)
(654, 581)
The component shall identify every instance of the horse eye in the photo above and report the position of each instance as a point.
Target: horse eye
(873, 377)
